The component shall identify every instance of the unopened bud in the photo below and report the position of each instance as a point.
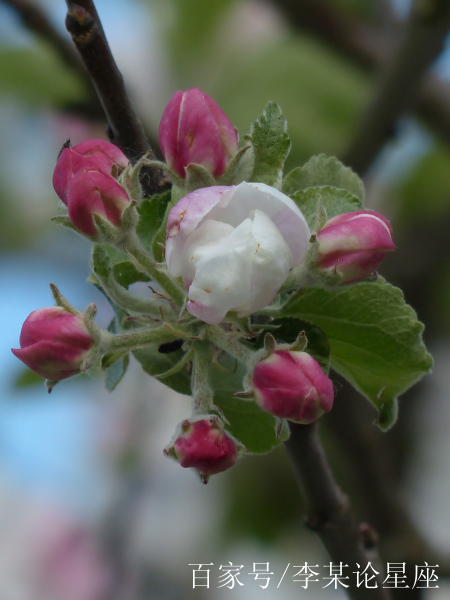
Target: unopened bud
(93, 193)
(90, 154)
(54, 343)
(194, 129)
(291, 385)
(354, 244)
(203, 445)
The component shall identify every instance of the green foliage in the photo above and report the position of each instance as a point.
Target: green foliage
(125, 274)
(286, 331)
(324, 171)
(255, 428)
(155, 363)
(335, 201)
(151, 216)
(115, 372)
(27, 378)
(38, 77)
(375, 338)
(271, 145)
(160, 237)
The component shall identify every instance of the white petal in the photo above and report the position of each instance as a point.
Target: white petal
(239, 202)
(270, 262)
(223, 275)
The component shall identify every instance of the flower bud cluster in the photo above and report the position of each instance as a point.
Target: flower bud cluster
(232, 243)
(84, 181)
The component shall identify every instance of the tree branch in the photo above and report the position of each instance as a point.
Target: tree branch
(369, 49)
(422, 42)
(125, 129)
(329, 512)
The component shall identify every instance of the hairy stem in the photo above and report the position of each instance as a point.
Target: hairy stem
(125, 129)
(139, 339)
(329, 513)
(144, 262)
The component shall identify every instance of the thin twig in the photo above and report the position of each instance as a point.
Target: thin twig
(368, 48)
(329, 513)
(125, 129)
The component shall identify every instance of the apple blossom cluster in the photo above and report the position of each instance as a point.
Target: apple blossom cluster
(235, 246)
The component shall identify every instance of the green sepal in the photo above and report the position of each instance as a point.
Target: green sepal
(197, 176)
(324, 170)
(271, 145)
(240, 167)
(65, 222)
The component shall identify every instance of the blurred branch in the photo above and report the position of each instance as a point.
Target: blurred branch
(329, 513)
(368, 48)
(125, 129)
(423, 40)
(36, 20)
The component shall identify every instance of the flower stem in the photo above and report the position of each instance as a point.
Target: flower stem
(138, 339)
(144, 262)
(202, 392)
(228, 342)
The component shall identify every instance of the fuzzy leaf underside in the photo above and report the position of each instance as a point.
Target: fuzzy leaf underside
(335, 201)
(375, 338)
(151, 216)
(324, 170)
(271, 146)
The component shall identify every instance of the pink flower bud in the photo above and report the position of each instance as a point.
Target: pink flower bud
(291, 385)
(194, 129)
(90, 154)
(205, 446)
(354, 244)
(91, 192)
(53, 343)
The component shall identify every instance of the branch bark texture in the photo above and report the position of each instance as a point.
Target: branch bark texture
(329, 513)
(125, 129)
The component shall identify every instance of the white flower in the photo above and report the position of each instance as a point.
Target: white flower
(234, 247)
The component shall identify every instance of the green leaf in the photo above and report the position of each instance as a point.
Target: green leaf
(249, 424)
(335, 201)
(115, 372)
(151, 215)
(287, 332)
(154, 363)
(101, 263)
(126, 273)
(28, 378)
(375, 338)
(324, 170)
(271, 146)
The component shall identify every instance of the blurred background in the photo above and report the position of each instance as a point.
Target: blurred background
(90, 509)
